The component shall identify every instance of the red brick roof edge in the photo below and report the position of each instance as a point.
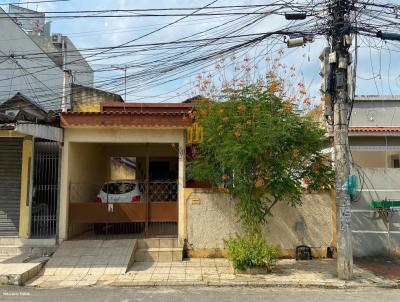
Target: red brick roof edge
(374, 129)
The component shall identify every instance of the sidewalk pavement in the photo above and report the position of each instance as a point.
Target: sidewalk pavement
(211, 272)
(386, 267)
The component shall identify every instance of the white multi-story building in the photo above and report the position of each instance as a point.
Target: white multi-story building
(33, 61)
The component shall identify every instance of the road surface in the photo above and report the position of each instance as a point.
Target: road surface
(207, 294)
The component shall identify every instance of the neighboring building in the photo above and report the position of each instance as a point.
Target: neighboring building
(374, 137)
(87, 99)
(29, 154)
(374, 131)
(81, 72)
(40, 74)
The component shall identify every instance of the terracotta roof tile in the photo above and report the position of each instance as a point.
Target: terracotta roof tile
(125, 119)
(374, 129)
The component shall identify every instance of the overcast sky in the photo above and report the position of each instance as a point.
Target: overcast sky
(378, 71)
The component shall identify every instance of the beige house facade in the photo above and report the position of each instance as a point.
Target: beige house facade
(153, 136)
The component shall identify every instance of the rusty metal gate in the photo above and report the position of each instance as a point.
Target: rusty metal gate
(45, 188)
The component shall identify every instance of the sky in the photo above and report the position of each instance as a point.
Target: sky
(377, 72)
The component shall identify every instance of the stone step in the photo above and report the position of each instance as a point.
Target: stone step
(14, 250)
(10, 241)
(159, 254)
(18, 273)
(158, 243)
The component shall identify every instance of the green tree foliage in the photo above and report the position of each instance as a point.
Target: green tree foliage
(261, 151)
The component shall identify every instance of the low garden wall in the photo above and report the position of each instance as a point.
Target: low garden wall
(211, 219)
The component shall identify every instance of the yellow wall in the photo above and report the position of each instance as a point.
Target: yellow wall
(87, 107)
(120, 171)
(10, 133)
(24, 202)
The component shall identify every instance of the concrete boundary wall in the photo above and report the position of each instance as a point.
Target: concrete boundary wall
(373, 233)
(211, 219)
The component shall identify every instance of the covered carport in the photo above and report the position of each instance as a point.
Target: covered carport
(140, 142)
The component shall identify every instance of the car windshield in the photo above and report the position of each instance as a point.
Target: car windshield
(118, 187)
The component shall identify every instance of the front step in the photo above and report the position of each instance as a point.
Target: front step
(15, 246)
(158, 250)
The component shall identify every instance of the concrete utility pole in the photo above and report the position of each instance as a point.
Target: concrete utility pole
(340, 60)
(65, 88)
(336, 71)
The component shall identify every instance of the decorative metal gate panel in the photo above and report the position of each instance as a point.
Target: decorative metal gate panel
(45, 189)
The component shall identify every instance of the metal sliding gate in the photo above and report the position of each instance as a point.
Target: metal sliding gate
(156, 214)
(45, 189)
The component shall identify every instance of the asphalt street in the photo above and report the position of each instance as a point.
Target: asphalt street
(208, 294)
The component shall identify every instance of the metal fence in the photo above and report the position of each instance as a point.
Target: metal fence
(45, 189)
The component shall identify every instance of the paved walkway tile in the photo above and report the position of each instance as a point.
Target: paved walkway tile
(159, 277)
(217, 272)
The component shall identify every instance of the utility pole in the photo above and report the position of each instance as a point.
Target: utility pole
(336, 72)
(66, 74)
(340, 60)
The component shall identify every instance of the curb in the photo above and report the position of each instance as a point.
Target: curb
(260, 284)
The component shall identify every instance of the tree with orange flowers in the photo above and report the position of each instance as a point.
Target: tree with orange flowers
(261, 150)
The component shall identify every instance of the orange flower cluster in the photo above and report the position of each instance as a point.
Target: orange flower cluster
(316, 168)
(303, 92)
(273, 87)
(288, 106)
(270, 74)
(241, 108)
(259, 182)
(237, 133)
(296, 153)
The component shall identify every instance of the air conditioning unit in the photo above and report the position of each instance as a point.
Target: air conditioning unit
(56, 38)
(12, 113)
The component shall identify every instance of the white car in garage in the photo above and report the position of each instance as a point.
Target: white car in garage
(121, 191)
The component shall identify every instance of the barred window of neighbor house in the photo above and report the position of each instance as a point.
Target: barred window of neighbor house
(396, 161)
